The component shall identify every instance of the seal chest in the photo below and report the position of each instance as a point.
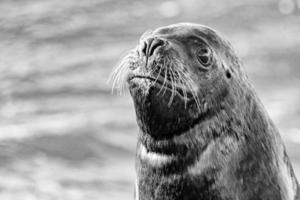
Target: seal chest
(203, 132)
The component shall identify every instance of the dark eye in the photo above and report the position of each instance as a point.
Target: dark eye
(204, 56)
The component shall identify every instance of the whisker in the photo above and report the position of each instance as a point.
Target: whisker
(119, 73)
(189, 82)
(117, 78)
(160, 68)
(195, 96)
(182, 87)
(173, 88)
(182, 80)
(165, 79)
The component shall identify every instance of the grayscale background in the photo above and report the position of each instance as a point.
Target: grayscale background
(64, 136)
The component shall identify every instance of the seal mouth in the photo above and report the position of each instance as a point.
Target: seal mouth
(131, 77)
(164, 83)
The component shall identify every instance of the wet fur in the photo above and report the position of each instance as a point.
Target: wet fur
(227, 149)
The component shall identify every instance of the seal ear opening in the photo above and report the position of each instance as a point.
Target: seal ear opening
(227, 71)
(228, 74)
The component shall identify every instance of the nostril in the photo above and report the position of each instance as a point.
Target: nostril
(144, 48)
(154, 45)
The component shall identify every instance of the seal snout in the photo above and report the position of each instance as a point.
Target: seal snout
(150, 45)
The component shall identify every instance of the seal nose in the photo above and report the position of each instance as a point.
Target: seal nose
(150, 45)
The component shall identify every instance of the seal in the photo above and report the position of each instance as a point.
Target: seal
(204, 134)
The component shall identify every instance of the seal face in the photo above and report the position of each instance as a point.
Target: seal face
(203, 132)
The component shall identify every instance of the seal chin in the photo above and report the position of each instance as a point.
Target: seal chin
(155, 115)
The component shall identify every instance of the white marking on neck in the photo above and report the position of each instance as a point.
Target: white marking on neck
(155, 159)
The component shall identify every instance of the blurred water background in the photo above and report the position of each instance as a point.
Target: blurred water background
(64, 136)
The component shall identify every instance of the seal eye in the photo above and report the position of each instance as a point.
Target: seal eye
(204, 56)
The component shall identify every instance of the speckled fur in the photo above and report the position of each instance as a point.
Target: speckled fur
(229, 149)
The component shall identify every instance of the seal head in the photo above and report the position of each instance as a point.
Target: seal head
(204, 133)
(170, 74)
